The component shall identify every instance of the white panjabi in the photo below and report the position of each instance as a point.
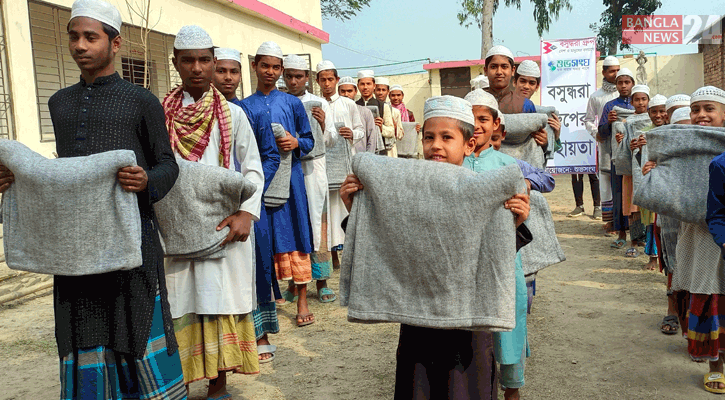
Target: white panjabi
(657, 100)
(529, 68)
(708, 93)
(347, 80)
(366, 73)
(499, 51)
(610, 61)
(270, 49)
(479, 97)
(681, 114)
(450, 107)
(677, 100)
(192, 37)
(99, 10)
(226, 53)
(325, 65)
(625, 72)
(293, 61)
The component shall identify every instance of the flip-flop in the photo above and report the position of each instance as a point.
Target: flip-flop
(303, 316)
(672, 322)
(618, 244)
(288, 298)
(714, 377)
(266, 349)
(326, 292)
(632, 253)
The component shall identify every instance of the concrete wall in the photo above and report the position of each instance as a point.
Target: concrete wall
(416, 89)
(227, 25)
(307, 11)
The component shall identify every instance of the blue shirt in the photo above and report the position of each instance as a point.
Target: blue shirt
(529, 106)
(261, 125)
(605, 128)
(716, 200)
(541, 181)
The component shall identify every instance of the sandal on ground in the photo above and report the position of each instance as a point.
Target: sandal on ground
(222, 397)
(266, 349)
(302, 317)
(326, 292)
(288, 298)
(632, 253)
(714, 377)
(672, 322)
(618, 244)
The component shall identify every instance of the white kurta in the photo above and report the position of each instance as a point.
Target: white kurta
(316, 175)
(225, 286)
(344, 110)
(595, 106)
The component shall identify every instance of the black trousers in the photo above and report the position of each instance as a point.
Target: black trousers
(577, 183)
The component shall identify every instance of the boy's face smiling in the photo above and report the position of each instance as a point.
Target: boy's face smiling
(707, 113)
(526, 86)
(443, 141)
(485, 125)
(624, 85)
(640, 101)
(497, 138)
(658, 115)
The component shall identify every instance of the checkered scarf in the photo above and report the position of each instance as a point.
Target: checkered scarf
(190, 127)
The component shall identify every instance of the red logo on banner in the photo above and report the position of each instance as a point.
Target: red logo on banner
(548, 48)
(652, 29)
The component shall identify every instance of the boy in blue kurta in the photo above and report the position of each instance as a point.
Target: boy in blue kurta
(291, 231)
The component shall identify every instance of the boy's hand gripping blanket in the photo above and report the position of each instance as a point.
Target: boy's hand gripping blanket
(519, 143)
(544, 249)
(677, 187)
(201, 199)
(621, 153)
(408, 146)
(278, 191)
(387, 142)
(338, 160)
(317, 131)
(431, 244)
(551, 137)
(69, 216)
(608, 143)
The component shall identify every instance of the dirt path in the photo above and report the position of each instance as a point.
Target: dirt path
(594, 334)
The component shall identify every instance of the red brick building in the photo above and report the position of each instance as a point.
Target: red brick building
(713, 57)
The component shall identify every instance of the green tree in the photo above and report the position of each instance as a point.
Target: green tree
(481, 13)
(609, 30)
(342, 9)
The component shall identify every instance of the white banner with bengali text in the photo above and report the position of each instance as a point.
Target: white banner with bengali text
(568, 78)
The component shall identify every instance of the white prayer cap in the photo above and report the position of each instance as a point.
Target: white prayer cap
(529, 68)
(270, 49)
(347, 80)
(192, 37)
(677, 100)
(708, 93)
(325, 65)
(98, 10)
(657, 100)
(366, 73)
(281, 84)
(225, 53)
(293, 61)
(500, 116)
(382, 81)
(450, 107)
(640, 89)
(396, 87)
(610, 61)
(499, 51)
(625, 72)
(480, 82)
(479, 97)
(681, 114)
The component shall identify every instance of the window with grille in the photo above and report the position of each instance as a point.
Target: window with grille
(6, 115)
(455, 81)
(134, 71)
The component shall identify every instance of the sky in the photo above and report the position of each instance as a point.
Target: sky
(405, 30)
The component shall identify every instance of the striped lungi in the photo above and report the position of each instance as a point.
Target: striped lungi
(265, 319)
(705, 325)
(100, 373)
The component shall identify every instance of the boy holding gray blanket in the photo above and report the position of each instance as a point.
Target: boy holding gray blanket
(464, 368)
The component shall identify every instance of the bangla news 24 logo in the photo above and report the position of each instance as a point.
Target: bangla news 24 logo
(671, 29)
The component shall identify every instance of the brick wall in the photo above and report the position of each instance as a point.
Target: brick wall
(713, 57)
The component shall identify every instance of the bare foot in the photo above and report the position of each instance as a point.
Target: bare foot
(264, 341)
(218, 386)
(651, 265)
(511, 394)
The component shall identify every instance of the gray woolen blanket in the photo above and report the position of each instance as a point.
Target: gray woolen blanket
(408, 146)
(338, 160)
(317, 132)
(69, 216)
(677, 187)
(608, 144)
(621, 153)
(544, 250)
(202, 197)
(550, 112)
(278, 190)
(519, 143)
(422, 233)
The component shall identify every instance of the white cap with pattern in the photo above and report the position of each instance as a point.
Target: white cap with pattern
(325, 65)
(708, 93)
(396, 87)
(625, 72)
(610, 61)
(366, 73)
(479, 97)
(677, 100)
(347, 80)
(480, 82)
(293, 61)
(640, 89)
(192, 37)
(99, 10)
(226, 53)
(270, 49)
(450, 107)
(657, 100)
(499, 51)
(681, 114)
(529, 68)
